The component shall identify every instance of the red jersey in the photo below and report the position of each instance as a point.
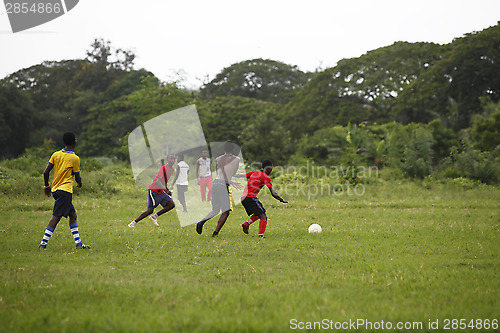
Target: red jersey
(165, 171)
(256, 180)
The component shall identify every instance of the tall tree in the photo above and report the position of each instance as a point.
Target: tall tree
(17, 119)
(359, 89)
(451, 90)
(263, 79)
(224, 118)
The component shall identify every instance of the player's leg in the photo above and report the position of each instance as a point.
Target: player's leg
(169, 206)
(209, 186)
(222, 219)
(144, 214)
(62, 207)
(152, 204)
(254, 209)
(73, 227)
(203, 189)
(184, 190)
(216, 206)
(166, 201)
(226, 207)
(181, 189)
(247, 223)
(199, 225)
(49, 230)
(262, 224)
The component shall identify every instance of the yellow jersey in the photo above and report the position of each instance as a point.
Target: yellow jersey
(66, 165)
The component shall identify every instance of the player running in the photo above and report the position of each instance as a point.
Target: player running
(158, 193)
(256, 180)
(66, 165)
(226, 167)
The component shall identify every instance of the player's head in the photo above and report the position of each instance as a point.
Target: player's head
(204, 154)
(228, 147)
(171, 159)
(69, 139)
(267, 166)
(180, 157)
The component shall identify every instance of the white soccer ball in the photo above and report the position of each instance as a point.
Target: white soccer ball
(314, 228)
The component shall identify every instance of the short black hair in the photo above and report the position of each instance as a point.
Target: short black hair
(266, 163)
(69, 139)
(228, 147)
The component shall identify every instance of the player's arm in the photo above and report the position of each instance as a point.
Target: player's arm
(46, 174)
(167, 190)
(197, 172)
(78, 180)
(276, 195)
(177, 170)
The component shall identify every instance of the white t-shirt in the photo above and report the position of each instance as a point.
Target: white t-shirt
(204, 170)
(182, 179)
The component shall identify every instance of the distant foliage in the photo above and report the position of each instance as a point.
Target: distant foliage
(452, 88)
(421, 110)
(17, 120)
(263, 79)
(359, 89)
(417, 156)
(224, 118)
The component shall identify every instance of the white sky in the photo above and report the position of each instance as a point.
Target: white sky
(200, 38)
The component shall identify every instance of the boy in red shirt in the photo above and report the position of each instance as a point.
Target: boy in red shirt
(158, 193)
(257, 180)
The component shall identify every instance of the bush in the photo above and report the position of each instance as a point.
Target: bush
(418, 154)
(479, 165)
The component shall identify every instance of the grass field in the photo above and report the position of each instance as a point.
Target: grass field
(408, 252)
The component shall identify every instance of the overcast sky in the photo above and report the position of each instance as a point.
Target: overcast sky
(200, 38)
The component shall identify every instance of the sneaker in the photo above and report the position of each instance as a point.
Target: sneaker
(215, 234)
(42, 247)
(82, 246)
(132, 224)
(199, 228)
(154, 219)
(245, 227)
(261, 235)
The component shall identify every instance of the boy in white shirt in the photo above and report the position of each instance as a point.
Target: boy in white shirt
(181, 180)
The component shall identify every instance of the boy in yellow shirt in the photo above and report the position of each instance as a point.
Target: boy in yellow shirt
(66, 165)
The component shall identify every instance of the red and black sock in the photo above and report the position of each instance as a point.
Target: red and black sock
(262, 227)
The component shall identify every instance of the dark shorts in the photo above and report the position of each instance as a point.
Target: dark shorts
(221, 200)
(155, 199)
(252, 206)
(63, 205)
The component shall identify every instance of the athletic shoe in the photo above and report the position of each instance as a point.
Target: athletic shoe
(199, 227)
(82, 246)
(261, 236)
(42, 247)
(154, 219)
(132, 224)
(245, 226)
(215, 234)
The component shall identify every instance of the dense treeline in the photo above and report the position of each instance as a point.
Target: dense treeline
(421, 107)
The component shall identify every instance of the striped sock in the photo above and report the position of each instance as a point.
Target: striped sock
(76, 234)
(46, 236)
(252, 219)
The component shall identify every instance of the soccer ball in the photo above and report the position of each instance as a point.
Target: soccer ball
(314, 228)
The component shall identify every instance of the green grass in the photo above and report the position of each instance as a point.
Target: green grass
(401, 252)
